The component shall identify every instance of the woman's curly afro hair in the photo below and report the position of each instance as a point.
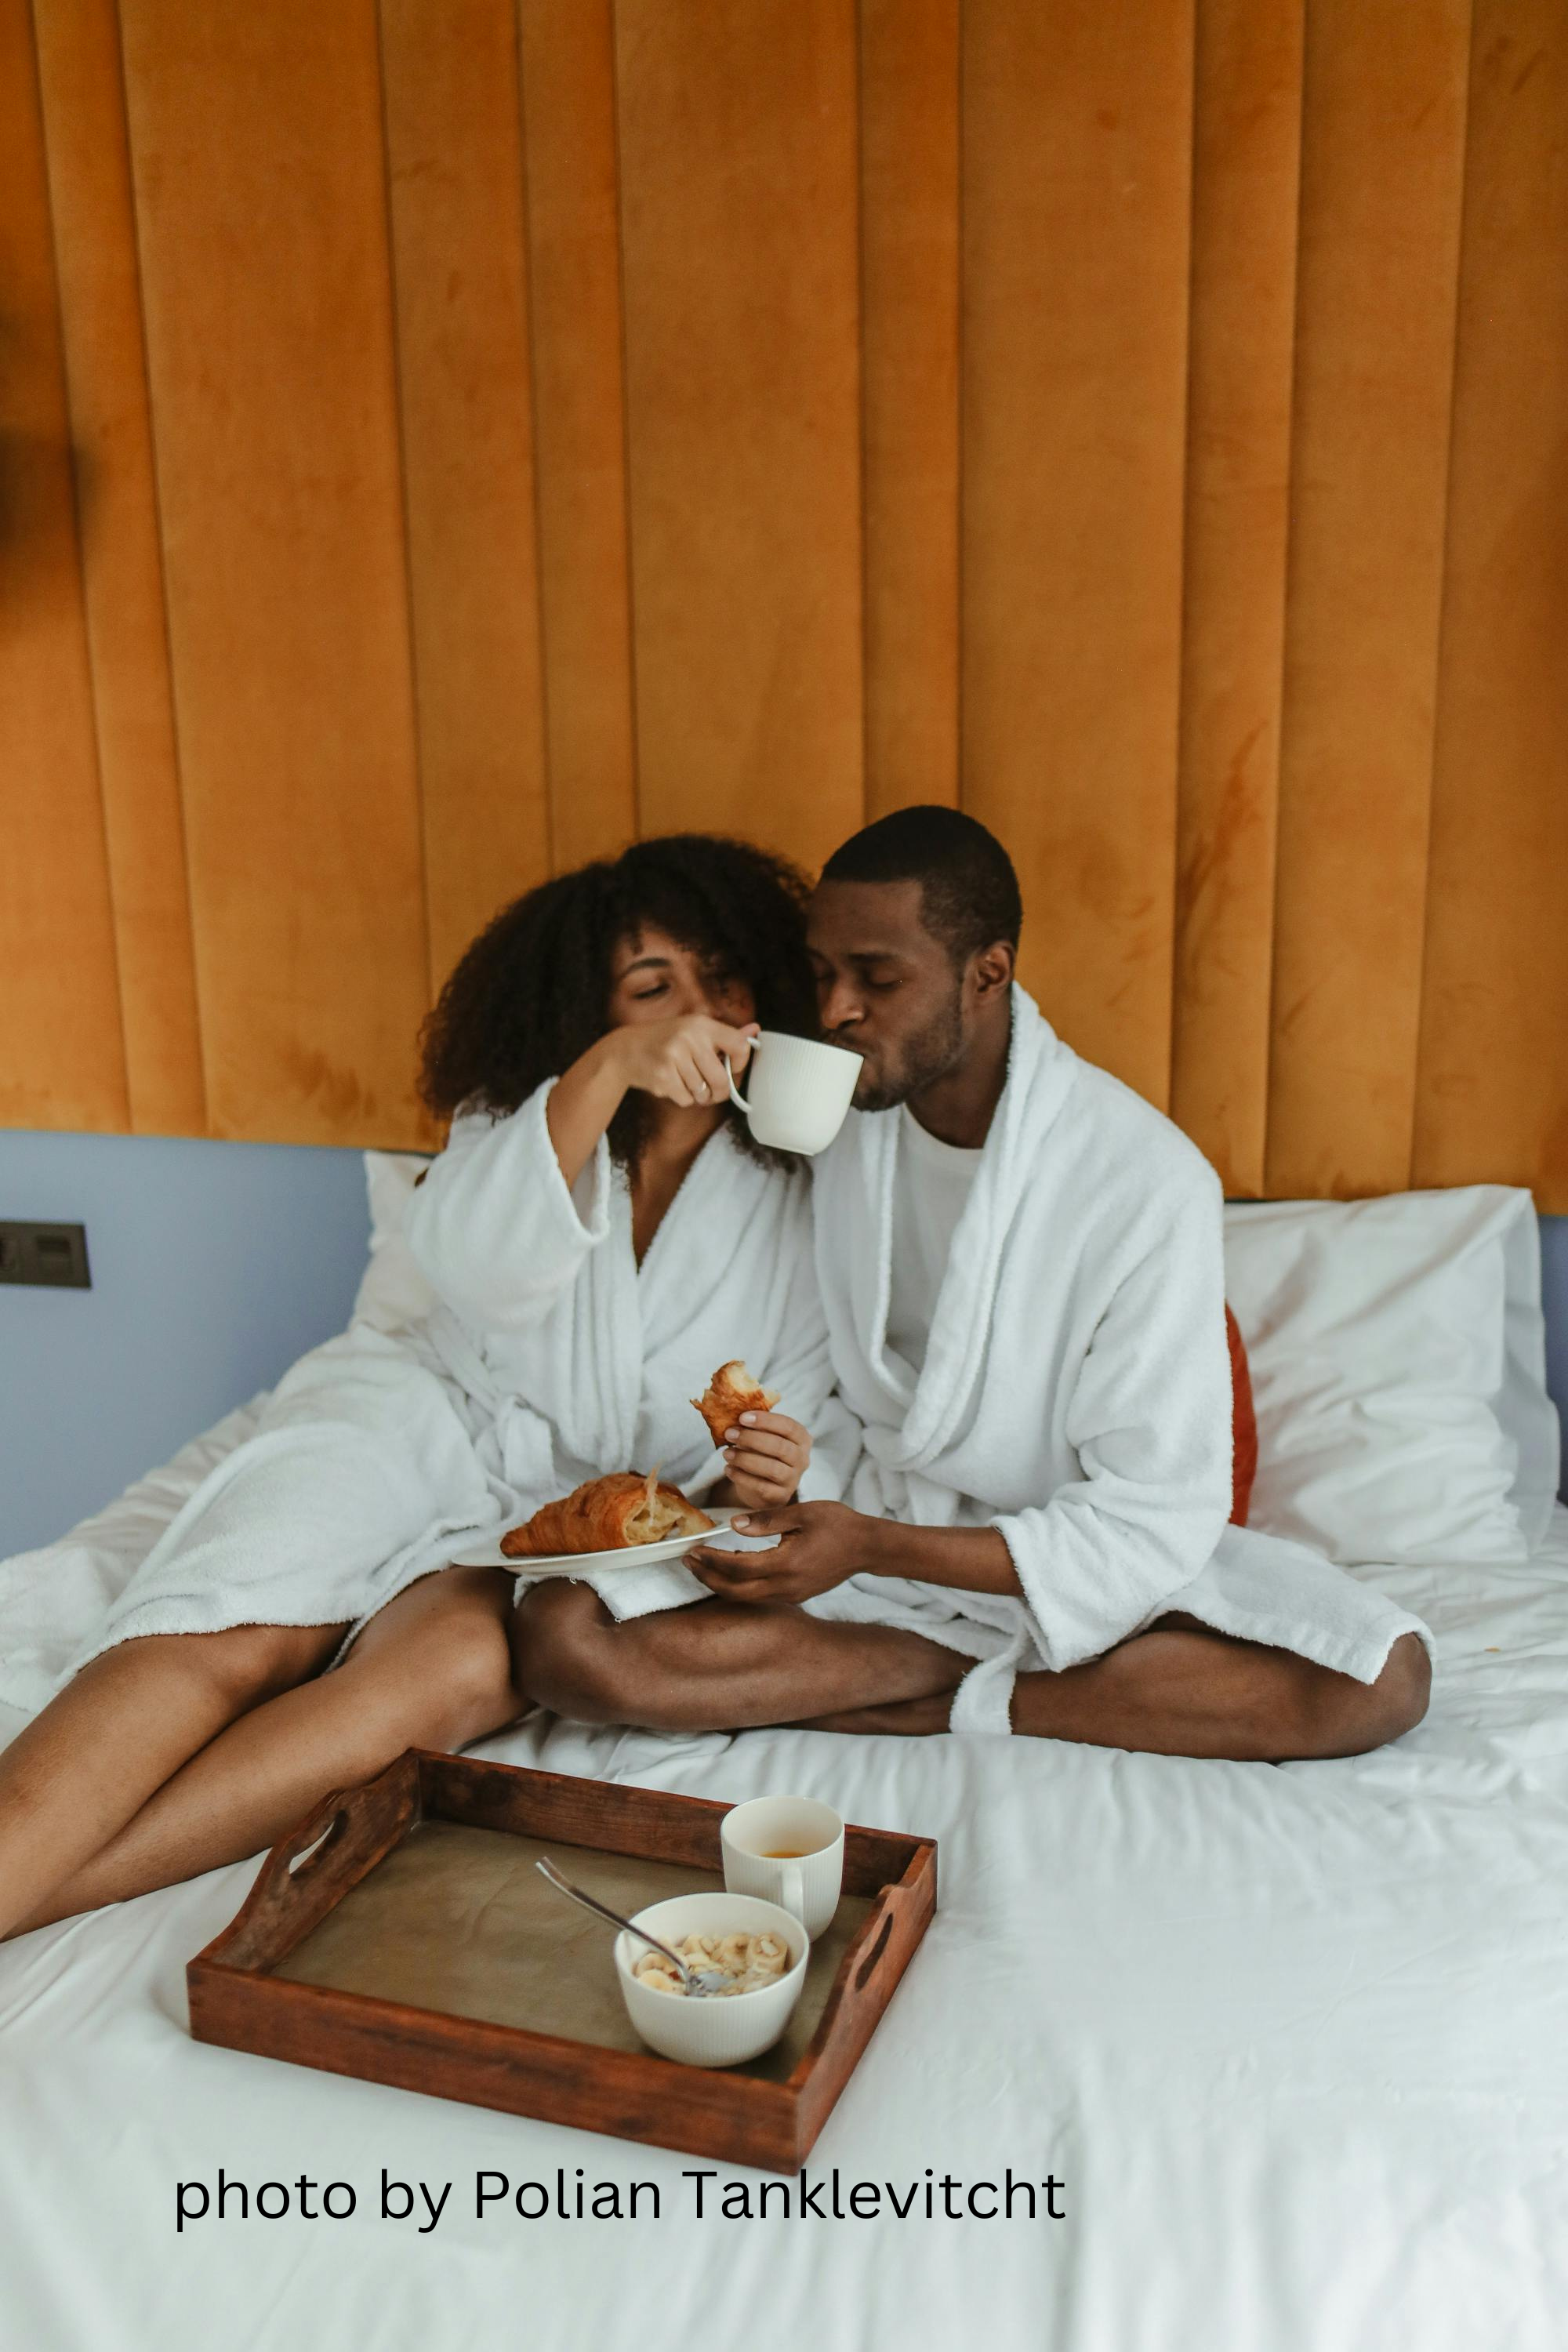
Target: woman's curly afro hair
(533, 991)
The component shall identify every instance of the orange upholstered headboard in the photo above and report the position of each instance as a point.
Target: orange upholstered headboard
(444, 440)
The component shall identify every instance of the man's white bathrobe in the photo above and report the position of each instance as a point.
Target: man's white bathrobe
(1075, 1394)
(551, 1357)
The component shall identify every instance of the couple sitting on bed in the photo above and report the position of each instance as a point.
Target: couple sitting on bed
(999, 1474)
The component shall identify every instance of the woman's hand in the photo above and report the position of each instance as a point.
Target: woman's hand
(677, 1059)
(681, 1060)
(821, 1544)
(766, 1454)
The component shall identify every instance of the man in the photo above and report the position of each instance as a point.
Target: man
(1022, 1267)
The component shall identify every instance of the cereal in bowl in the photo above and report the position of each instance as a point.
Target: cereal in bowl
(748, 1962)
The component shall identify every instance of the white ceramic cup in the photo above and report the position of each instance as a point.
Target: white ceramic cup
(721, 2031)
(796, 1090)
(788, 1849)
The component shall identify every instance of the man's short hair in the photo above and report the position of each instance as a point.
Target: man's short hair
(969, 891)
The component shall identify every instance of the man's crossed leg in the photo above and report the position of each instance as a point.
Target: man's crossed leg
(1178, 1688)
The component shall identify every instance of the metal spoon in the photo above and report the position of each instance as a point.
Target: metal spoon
(696, 1982)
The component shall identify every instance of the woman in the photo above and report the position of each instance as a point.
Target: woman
(601, 1233)
(601, 1230)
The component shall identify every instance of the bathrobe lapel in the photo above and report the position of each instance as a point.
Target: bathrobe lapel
(637, 1311)
(1040, 1071)
(610, 1367)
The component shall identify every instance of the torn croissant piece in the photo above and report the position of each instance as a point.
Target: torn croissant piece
(730, 1393)
(609, 1513)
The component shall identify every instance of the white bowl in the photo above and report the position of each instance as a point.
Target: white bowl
(725, 2028)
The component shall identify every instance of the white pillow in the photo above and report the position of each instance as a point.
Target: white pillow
(1398, 1360)
(393, 1292)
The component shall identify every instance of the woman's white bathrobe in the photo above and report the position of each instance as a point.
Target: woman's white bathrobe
(580, 1360)
(1075, 1394)
(551, 1357)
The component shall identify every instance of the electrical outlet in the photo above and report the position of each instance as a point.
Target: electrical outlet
(54, 1256)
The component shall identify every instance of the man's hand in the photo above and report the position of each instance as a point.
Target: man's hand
(821, 1544)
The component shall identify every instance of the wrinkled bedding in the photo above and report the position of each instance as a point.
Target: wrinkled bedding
(1293, 2042)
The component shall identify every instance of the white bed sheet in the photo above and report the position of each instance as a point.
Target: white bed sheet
(1296, 2041)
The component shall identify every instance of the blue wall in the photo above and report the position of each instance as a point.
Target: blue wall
(214, 1266)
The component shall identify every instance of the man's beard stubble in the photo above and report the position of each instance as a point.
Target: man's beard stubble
(932, 1053)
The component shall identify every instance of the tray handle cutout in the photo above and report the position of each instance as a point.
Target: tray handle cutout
(316, 1865)
(318, 1844)
(863, 1973)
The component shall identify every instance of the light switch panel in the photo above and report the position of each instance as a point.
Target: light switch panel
(54, 1256)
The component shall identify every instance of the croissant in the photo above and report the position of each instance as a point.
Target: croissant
(607, 1514)
(730, 1393)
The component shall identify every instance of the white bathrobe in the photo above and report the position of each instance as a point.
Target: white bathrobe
(551, 1357)
(582, 1361)
(1075, 1394)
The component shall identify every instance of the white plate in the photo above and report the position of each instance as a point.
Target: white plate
(587, 1563)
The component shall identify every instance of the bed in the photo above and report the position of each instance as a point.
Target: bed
(1292, 2041)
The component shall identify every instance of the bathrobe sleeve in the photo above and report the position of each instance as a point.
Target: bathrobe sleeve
(494, 1228)
(1150, 1422)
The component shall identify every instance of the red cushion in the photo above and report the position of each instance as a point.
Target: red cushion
(1243, 1423)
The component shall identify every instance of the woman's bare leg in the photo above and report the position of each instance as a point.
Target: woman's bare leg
(89, 1762)
(432, 1670)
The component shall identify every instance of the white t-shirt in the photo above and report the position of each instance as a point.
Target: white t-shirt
(930, 1185)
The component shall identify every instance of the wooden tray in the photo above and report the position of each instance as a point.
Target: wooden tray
(403, 1934)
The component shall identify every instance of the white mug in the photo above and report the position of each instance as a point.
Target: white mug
(798, 1090)
(789, 1851)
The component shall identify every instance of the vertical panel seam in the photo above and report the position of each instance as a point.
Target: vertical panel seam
(74, 486)
(960, 281)
(176, 753)
(1300, 13)
(1269, 1192)
(536, 466)
(1443, 613)
(626, 415)
(411, 634)
(1300, 16)
(1181, 729)
(861, 214)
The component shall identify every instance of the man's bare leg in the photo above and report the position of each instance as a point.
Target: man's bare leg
(73, 1778)
(431, 1670)
(1182, 1689)
(721, 1665)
